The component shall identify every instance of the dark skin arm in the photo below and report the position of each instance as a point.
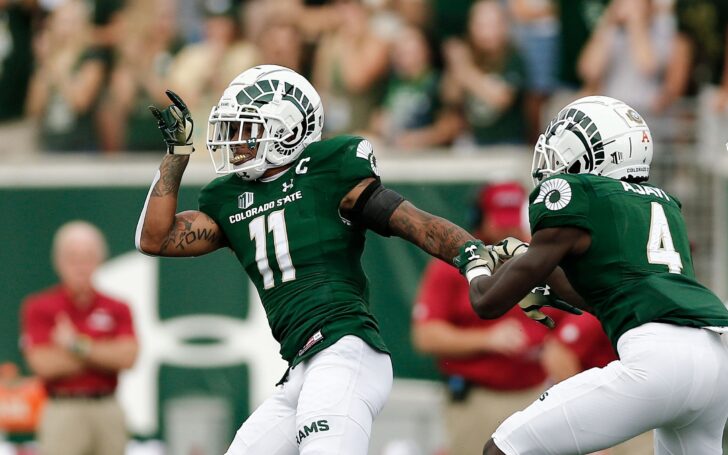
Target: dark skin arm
(164, 233)
(434, 235)
(493, 296)
(560, 286)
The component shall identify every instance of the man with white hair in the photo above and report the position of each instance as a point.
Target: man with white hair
(77, 340)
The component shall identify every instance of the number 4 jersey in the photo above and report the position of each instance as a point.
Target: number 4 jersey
(638, 268)
(302, 256)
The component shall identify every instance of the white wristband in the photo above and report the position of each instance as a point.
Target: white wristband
(476, 272)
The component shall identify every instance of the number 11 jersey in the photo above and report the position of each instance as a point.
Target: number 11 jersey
(301, 255)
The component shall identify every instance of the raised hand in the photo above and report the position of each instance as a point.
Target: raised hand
(175, 123)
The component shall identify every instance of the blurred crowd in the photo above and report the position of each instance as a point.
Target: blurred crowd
(78, 75)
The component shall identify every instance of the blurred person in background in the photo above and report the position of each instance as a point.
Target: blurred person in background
(537, 35)
(67, 81)
(411, 116)
(17, 19)
(107, 21)
(143, 62)
(414, 13)
(698, 60)
(77, 341)
(577, 19)
(349, 68)
(577, 344)
(21, 401)
(452, 18)
(627, 54)
(491, 368)
(201, 71)
(312, 18)
(485, 76)
(280, 42)
(699, 70)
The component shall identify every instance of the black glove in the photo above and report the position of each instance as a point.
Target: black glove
(175, 123)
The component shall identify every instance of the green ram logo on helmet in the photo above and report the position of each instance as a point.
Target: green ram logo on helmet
(262, 92)
(579, 123)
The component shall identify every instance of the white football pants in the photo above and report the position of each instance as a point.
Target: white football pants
(669, 378)
(326, 406)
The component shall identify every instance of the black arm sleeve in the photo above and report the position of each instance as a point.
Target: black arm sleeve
(374, 208)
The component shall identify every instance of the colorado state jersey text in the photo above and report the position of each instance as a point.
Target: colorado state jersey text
(303, 258)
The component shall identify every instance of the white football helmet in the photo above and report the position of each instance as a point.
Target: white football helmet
(595, 135)
(265, 118)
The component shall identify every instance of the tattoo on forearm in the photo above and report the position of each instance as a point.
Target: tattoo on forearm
(183, 235)
(437, 236)
(171, 170)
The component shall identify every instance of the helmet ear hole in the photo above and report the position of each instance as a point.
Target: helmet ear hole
(294, 137)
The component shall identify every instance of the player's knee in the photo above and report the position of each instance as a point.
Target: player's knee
(491, 449)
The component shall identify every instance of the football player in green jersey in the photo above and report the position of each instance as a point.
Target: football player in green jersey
(614, 245)
(294, 209)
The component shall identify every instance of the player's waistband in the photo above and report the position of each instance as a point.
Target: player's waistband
(667, 333)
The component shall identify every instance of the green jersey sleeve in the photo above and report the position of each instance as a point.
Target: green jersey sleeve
(558, 201)
(357, 163)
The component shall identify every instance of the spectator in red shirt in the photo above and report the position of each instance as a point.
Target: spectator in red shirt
(77, 340)
(579, 343)
(491, 367)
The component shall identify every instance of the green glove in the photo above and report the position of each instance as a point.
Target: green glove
(541, 297)
(475, 258)
(175, 123)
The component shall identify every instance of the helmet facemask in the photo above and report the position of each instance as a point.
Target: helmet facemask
(547, 161)
(238, 142)
(560, 150)
(248, 139)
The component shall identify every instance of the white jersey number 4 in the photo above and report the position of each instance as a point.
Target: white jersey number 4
(258, 233)
(660, 249)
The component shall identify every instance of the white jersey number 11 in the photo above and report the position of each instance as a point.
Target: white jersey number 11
(258, 233)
